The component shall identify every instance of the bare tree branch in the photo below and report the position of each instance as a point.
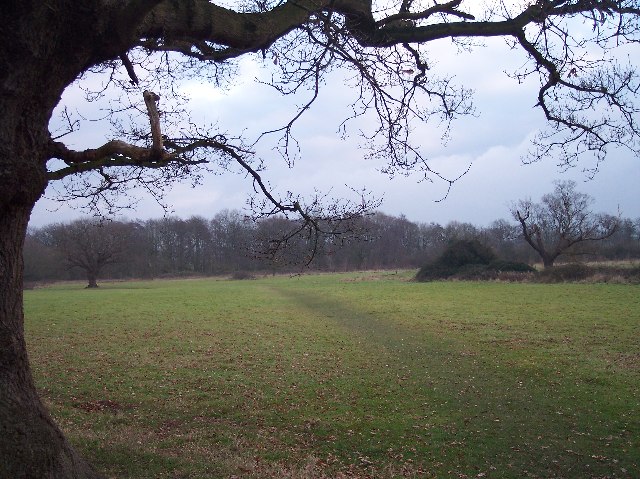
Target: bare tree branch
(391, 74)
(151, 100)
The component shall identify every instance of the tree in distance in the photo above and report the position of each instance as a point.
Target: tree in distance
(561, 222)
(89, 246)
(143, 48)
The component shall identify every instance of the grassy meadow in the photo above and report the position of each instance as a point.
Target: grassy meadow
(360, 375)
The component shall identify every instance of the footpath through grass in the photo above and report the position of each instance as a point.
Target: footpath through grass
(353, 375)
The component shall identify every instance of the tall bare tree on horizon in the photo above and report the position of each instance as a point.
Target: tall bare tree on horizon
(561, 222)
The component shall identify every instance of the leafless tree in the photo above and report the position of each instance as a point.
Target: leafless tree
(90, 245)
(143, 47)
(561, 221)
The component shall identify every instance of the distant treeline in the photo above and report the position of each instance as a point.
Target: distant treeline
(231, 243)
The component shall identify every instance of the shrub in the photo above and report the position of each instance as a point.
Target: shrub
(496, 270)
(432, 271)
(464, 252)
(474, 272)
(467, 259)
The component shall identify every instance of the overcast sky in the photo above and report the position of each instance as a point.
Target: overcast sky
(491, 144)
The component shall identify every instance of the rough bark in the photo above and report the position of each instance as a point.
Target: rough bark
(32, 78)
(31, 445)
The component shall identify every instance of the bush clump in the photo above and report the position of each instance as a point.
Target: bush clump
(469, 260)
(511, 267)
(464, 252)
(496, 270)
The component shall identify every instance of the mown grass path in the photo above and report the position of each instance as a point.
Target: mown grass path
(359, 375)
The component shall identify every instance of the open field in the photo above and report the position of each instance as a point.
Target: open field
(352, 375)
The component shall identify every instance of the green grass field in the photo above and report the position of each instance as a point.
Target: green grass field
(352, 375)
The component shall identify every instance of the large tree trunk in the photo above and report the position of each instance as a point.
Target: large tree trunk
(548, 260)
(92, 279)
(31, 445)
